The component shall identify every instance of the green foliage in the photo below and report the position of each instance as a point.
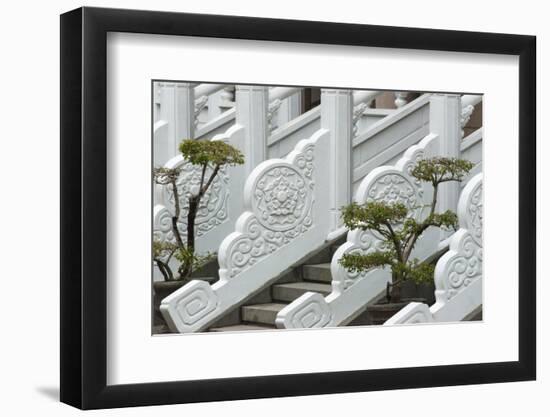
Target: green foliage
(398, 229)
(445, 220)
(188, 258)
(165, 176)
(419, 271)
(162, 253)
(355, 262)
(215, 152)
(373, 215)
(413, 269)
(439, 170)
(163, 249)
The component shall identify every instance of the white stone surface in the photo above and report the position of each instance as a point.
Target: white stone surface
(284, 219)
(445, 114)
(412, 313)
(336, 117)
(252, 109)
(176, 103)
(219, 208)
(458, 273)
(352, 291)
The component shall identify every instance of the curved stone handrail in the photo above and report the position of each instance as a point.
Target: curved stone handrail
(285, 215)
(276, 97)
(352, 291)
(458, 274)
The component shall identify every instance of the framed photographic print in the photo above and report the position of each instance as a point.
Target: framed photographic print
(256, 208)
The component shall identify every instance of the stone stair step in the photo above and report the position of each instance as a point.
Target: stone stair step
(322, 256)
(291, 291)
(240, 328)
(317, 273)
(261, 313)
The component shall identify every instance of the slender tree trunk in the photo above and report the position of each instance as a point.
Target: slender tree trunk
(165, 270)
(191, 215)
(176, 215)
(186, 268)
(393, 290)
(395, 294)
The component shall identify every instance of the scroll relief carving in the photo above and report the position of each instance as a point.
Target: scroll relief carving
(312, 311)
(390, 184)
(464, 263)
(272, 110)
(474, 222)
(385, 184)
(212, 209)
(281, 202)
(200, 104)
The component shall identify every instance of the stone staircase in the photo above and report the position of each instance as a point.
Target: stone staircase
(260, 311)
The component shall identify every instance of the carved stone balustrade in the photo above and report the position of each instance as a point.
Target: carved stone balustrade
(218, 209)
(352, 291)
(284, 218)
(458, 273)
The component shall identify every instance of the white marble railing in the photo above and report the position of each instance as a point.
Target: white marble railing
(285, 123)
(385, 141)
(179, 110)
(194, 111)
(284, 218)
(458, 273)
(211, 101)
(217, 210)
(284, 105)
(200, 111)
(222, 207)
(352, 291)
(284, 137)
(223, 204)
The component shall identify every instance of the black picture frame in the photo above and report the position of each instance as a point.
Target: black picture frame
(84, 207)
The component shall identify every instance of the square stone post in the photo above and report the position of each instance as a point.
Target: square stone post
(251, 113)
(177, 107)
(445, 111)
(336, 117)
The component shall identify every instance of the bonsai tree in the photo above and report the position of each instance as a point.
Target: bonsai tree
(398, 228)
(204, 154)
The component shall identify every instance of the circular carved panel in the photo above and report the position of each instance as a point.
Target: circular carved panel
(212, 209)
(281, 198)
(393, 188)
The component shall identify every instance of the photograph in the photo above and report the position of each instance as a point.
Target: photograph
(304, 207)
